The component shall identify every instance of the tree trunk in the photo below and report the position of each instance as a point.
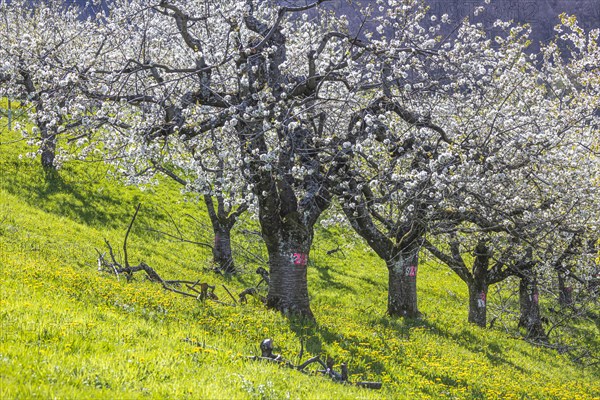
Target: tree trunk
(530, 317)
(402, 285)
(478, 284)
(222, 223)
(565, 292)
(222, 255)
(288, 286)
(48, 136)
(48, 147)
(478, 302)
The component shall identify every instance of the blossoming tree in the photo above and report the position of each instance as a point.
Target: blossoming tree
(45, 51)
(263, 87)
(526, 137)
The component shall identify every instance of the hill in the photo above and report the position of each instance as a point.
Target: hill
(541, 14)
(71, 331)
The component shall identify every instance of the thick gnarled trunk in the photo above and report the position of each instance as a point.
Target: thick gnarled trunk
(402, 285)
(288, 262)
(478, 290)
(530, 317)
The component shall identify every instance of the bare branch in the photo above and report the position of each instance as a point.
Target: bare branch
(127, 235)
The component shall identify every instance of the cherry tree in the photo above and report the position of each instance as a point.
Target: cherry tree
(46, 48)
(275, 109)
(205, 168)
(526, 137)
(410, 139)
(271, 83)
(571, 62)
(568, 252)
(280, 87)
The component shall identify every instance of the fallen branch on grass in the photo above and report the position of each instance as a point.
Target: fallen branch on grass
(266, 347)
(196, 289)
(253, 291)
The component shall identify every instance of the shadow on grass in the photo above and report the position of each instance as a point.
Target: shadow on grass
(316, 337)
(464, 338)
(76, 192)
(327, 280)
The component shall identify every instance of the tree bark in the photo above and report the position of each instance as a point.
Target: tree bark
(288, 260)
(48, 146)
(222, 254)
(222, 222)
(478, 303)
(565, 292)
(478, 284)
(48, 136)
(478, 289)
(530, 318)
(402, 285)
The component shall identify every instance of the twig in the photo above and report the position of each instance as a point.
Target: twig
(102, 263)
(112, 254)
(315, 359)
(174, 223)
(179, 282)
(180, 238)
(178, 291)
(333, 251)
(194, 290)
(127, 235)
(229, 293)
(301, 354)
(264, 275)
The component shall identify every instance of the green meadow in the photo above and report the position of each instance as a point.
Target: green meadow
(70, 331)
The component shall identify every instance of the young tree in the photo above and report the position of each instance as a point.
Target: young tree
(204, 171)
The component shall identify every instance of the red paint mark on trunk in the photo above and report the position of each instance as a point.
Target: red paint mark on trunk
(300, 259)
(481, 300)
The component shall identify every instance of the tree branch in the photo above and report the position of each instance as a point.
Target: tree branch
(127, 235)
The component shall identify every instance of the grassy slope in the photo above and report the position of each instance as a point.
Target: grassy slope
(68, 331)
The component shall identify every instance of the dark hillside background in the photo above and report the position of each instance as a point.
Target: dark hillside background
(541, 14)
